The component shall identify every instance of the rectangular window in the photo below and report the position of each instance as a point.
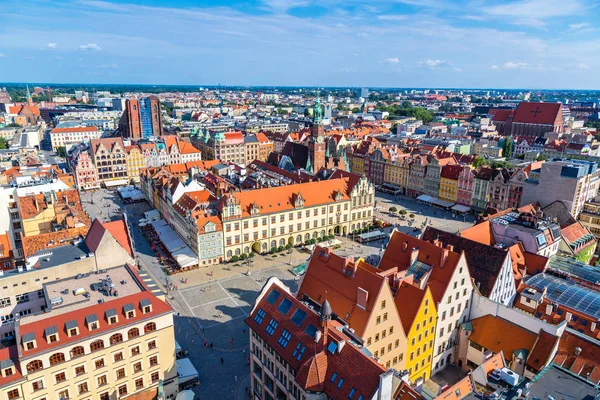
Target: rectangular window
(99, 363)
(60, 377)
(80, 370)
(153, 361)
(135, 351)
(155, 377)
(102, 380)
(137, 367)
(121, 373)
(119, 357)
(83, 388)
(122, 390)
(139, 383)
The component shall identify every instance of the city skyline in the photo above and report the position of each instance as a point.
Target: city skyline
(475, 44)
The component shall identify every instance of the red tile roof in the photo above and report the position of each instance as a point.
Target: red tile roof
(408, 300)
(451, 171)
(118, 230)
(497, 334)
(501, 115)
(37, 328)
(588, 359)
(538, 113)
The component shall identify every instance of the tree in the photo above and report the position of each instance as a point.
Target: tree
(478, 162)
(234, 259)
(406, 104)
(3, 143)
(13, 125)
(342, 107)
(542, 157)
(403, 212)
(508, 147)
(356, 110)
(61, 151)
(393, 210)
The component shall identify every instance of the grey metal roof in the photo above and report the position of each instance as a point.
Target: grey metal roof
(6, 364)
(128, 307)
(111, 312)
(28, 337)
(145, 302)
(91, 318)
(51, 330)
(71, 324)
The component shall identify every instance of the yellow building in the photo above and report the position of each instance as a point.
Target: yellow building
(396, 173)
(135, 162)
(449, 182)
(418, 315)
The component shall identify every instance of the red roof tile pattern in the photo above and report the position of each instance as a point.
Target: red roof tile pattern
(499, 335)
(580, 363)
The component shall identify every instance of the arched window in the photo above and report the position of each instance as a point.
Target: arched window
(237, 252)
(264, 246)
(299, 239)
(133, 332)
(229, 253)
(97, 345)
(149, 327)
(282, 242)
(34, 365)
(77, 351)
(116, 338)
(273, 244)
(57, 358)
(246, 249)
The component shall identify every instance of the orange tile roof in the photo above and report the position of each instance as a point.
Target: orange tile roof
(458, 391)
(119, 231)
(327, 276)
(408, 300)
(32, 205)
(405, 392)
(187, 148)
(203, 165)
(5, 248)
(282, 198)
(202, 220)
(542, 350)
(497, 334)
(589, 357)
(37, 328)
(262, 138)
(33, 244)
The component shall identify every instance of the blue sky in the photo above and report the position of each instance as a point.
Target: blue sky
(391, 43)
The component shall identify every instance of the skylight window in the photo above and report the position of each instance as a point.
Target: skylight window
(298, 351)
(352, 392)
(285, 306)
(311, 330)
(273, 296)
(332, 347)
(260, 315)
(340, 383)
(333, 377)
(270, 329)
(284, 339)
(298, 317)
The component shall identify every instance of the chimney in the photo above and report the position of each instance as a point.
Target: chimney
(445, 253)
(577, 351)
(437, 243)
(37, 205)
(450, 247)
(340, 346)
(593, 326)
(362, 296)
(414, 256)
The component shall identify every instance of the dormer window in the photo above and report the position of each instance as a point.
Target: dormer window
(129, 311)
(7, 367)
(51, 334)
(72, 328)
(28, 340)
(92, 322)
(146, 306)
(111, 316)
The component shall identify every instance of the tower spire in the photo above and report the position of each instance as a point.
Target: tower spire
(28, 95)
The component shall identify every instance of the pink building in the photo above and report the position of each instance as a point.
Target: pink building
(466, 182)
(85, 171)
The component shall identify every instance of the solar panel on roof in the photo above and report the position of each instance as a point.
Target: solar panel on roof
(418, 269)
(568, 294)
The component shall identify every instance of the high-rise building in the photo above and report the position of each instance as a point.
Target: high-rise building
(141, 118)
(364, 93)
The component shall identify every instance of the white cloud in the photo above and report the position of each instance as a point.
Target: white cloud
(456, 69)
(392, 60)
(494, 67)
(397, 17)
(535, 13)
(434, 63)
(90, 46)
(582, 66)
(514, 65)
(281, 6)
(578, 26)
(51, 45)
(2, 55)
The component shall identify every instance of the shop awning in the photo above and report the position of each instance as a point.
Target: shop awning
(117, 182)
(425, 198)
(441, 203)
(459, 208)
(185, 257)
(186, 370)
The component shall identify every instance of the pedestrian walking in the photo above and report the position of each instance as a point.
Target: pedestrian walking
(244, 351)
(222, 361)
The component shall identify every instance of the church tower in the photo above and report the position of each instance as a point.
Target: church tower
(316, 143)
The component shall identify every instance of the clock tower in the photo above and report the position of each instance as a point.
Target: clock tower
(316, 143)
